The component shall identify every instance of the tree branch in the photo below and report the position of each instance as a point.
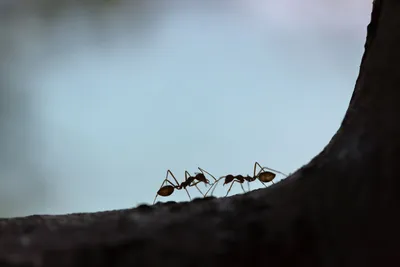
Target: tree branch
(338, 210)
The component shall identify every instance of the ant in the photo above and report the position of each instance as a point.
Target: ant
(264, 176)
(232, 179)
(167, 190)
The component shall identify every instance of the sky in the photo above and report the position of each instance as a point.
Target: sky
(115, 101)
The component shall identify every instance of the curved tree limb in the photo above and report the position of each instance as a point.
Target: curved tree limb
(338, 210)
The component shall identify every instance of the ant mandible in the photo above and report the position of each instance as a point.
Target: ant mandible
(167, 190)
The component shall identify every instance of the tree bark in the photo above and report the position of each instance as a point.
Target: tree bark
(338, 210)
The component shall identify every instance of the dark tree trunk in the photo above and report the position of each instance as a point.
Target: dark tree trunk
(339, 210)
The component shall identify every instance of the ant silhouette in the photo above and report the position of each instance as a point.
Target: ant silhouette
(264, 175)
(167, 190)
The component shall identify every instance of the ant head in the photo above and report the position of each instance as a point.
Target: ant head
(266, 176)
(166, 191)
(201, 177)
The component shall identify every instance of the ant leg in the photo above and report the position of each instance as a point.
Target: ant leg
(186, 177)
(263, 183)
(241, 185)
(198, 189)
(173, 176)
(275, 171)
(166, 180)
(213, 186)
(230, 188)
(266, 168)
(255, 168)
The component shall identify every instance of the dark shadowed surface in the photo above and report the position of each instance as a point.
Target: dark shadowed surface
(339, 210)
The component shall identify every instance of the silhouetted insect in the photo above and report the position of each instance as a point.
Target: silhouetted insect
(232, 179)
(264, 175)
(167, 190)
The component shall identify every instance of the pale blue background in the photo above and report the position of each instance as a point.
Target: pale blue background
(100, 102)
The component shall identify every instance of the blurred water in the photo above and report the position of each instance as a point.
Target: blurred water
(98, 101)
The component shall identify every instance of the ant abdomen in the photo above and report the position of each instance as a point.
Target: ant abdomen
(266, 177)
(166, 190)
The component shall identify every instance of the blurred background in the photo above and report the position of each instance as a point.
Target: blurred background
(99, 98)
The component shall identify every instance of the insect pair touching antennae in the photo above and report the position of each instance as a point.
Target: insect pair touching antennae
(167, 190)
(264, 175)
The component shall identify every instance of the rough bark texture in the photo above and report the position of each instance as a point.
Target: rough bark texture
(338, 210)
